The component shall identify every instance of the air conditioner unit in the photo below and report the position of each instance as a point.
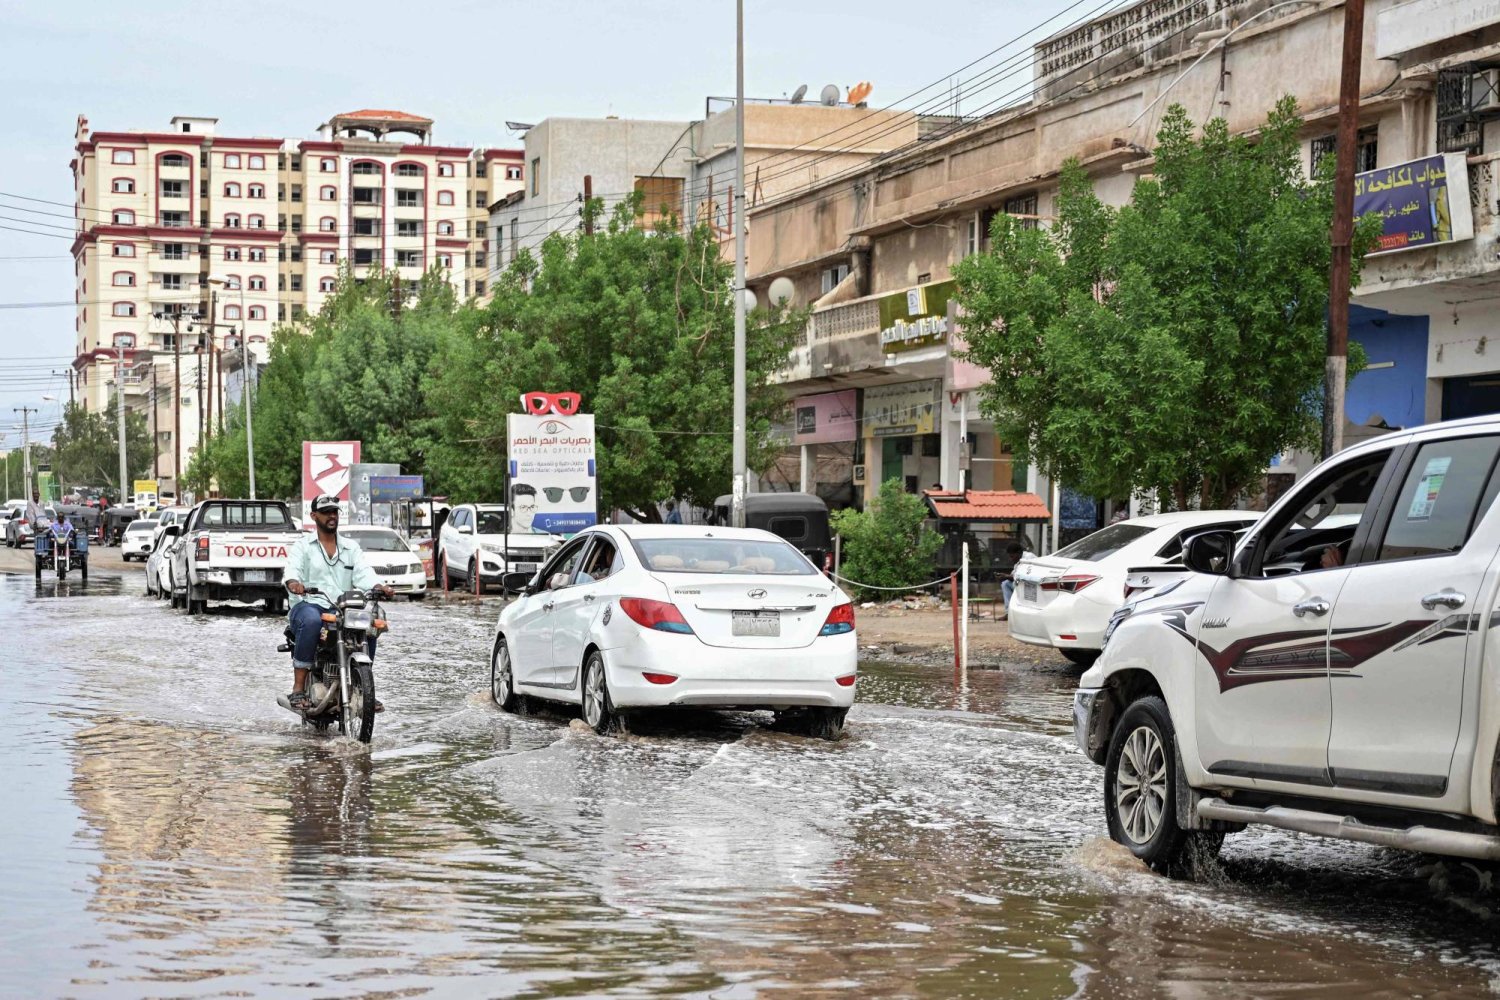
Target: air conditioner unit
(1484, 91)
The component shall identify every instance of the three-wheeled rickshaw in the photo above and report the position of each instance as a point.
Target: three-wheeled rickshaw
(800, 518)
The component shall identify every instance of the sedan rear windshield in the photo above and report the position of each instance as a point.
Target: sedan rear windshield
(721, 555)
(140, 527)
(1103, 543)
(378, 541)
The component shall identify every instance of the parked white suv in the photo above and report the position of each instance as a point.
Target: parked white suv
(473, 541)
(1331, 672)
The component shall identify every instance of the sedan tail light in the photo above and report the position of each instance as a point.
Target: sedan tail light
(839, 620)
(1070, 583)
(662, 616)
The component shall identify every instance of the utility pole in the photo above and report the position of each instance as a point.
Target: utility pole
(25, 412)
(737, 509)
(213, 324)
(120, 398)
(588, 192)
(245, 391)
(1337, 363)
(176, 319)
(155, 452)
(69, 373)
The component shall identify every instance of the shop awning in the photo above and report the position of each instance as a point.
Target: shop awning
(987, 505)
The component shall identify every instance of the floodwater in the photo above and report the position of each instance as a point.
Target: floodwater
(169, 832)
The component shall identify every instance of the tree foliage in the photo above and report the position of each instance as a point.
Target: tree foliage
(1174, 345)
(641, 324)
(888, 544)
(86, 448)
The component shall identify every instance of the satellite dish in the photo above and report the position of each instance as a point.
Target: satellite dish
(781, 290)
(829, 96)
(799, 93)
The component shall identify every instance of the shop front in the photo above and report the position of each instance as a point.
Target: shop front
(825, 433)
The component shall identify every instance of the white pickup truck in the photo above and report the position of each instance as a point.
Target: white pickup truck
(1334, 670)
(232, 550)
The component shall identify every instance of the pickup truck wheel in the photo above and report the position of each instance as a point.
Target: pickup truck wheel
(1140, 792)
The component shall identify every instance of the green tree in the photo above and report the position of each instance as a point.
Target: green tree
(640, 322)
(888, 544)
(86, 448)
(1174, 345)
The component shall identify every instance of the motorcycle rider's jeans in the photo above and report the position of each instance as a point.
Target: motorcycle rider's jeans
(307, 622)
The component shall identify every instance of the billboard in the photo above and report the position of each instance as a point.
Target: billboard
(385, 489)
(904, 409)
(553, 485)
(825, 418)
(359, 487)
(328, 467)
(1421, 203)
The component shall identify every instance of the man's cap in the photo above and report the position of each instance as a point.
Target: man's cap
(325, 502)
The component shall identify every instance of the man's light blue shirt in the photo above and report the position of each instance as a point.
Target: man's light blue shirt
(310, 565)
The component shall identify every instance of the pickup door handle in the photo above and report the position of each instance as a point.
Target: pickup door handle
(548, 606)
(589, 598)
(1450, 599)
(1316, 606)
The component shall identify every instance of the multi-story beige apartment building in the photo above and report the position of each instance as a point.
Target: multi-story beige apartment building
(189, 240)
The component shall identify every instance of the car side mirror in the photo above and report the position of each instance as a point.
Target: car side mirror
(464, 529)
(518, 582)
(1210, 552)
(172, 530)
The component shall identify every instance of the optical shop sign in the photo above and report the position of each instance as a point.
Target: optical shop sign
(552, 472)
(1421, 203)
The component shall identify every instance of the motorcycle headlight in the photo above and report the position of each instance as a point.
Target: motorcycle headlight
(358, 620)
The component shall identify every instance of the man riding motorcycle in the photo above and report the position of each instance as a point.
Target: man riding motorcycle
(332, 565)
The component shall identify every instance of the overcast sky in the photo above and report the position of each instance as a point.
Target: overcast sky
(277, 68)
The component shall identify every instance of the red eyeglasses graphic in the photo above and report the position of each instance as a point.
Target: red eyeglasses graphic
(539, 403)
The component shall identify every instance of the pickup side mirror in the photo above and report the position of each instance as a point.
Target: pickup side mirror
(1209, 552)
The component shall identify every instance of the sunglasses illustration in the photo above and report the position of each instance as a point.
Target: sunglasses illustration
(555, 493)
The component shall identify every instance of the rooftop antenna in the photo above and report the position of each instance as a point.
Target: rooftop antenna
(829, 96)
(799, 93)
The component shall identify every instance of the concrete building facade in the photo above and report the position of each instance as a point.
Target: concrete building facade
(188, 240)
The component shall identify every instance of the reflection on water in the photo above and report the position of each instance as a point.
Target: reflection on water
(181, 836)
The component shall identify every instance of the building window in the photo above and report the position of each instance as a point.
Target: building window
(174, 189)
(479, 287)
(327, 165)
(364, 258)
(366, 196)
(325, 285)
(257, 191)
(123, 217)
(124, 340)
(365, 227)
(231, 190)
(1022, 205)
(408, 170)
(125, 309)
(124, 249)
(366, 167)
(408, 258)
(173, 251)
(296, 192)
(296, 312)
(232, 282)
(1365, 154)
(296, 162)
(661, 198)
(512, 173)
(232, 160)
(328, 224)
(231, 312)
(257, 222)
(481, 198)
(176, 160)
(480, 168)
(328, 192)
(480, 259)
(123, 185)
(445, 260)
(408, 227)
(124, 279)
(257, 284)
(445, 198)
(536, 171)
(231, 253)
(328, 257)
(445, 170)
(231, 221)
(174, 220)
(257, 312)
(296, 253)
(445, 229)
(296, 282)
(258, 254)
(407, 198)
(257, 162)
(122, 156)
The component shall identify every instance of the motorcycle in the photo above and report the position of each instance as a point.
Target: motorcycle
(62, 550)
(341, 683)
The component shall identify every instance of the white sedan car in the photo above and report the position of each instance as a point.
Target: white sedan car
(394, 561)
(138, 538)
(625, 617)
(159, 562)
(1065, 600)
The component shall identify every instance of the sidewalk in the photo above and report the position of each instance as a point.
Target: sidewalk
(925, 633)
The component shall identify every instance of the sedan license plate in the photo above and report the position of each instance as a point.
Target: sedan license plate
(257, 576)
(1028, 590)
(767, 623)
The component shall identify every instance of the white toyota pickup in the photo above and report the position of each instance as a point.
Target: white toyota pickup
(1334, 670)
(232, 550)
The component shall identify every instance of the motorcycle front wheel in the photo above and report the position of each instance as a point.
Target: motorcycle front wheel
(358, 719)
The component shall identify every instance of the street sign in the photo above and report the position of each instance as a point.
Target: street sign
(385, 489)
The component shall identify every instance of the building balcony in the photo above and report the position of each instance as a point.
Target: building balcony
(368, 211)
(849, 341)
(187, 263)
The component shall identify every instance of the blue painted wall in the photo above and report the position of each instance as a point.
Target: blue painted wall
(1399, 394)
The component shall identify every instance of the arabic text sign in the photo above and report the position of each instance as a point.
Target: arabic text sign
(1422, 203)
(553, 487)
(384, 489)
(825, 418)
(902, 410)
(915, 318)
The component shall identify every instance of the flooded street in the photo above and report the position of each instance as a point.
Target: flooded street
(170, 832)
